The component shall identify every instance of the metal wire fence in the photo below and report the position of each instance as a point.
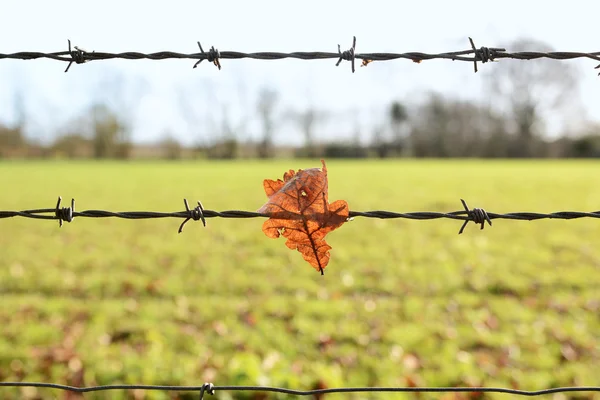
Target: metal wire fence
(211, 389)
(198, 213)
(477, 215)
(483, 54)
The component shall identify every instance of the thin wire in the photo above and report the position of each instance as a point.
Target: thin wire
(211, 389)
(476, 215)
(482, 54)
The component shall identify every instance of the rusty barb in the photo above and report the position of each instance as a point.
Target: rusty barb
(212, 56)
(477, 215)
(473, 54)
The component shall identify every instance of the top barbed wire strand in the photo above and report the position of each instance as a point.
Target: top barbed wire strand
(482, 54)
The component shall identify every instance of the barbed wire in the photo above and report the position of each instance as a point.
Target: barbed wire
(477, 215)
(211, 389)
(483, 54)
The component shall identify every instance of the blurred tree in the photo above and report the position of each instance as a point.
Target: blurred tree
(196, 101)
(586, 146)
(429, 134)
(398, 118)
(379, 143)
(344, 149)
(110, 136)
(170, 147)
(75, 138)
(526, 90)
(116, 105)
(20, 109)
(218, 133)
(307, 121)
(226, 146)
(267, 101)
(71, 145)
(444, 127)
(586, 143)
(12, 140)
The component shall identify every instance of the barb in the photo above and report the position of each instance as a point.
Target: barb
(483, 54)
(212, 56)
(77, 56)
(347, 55)
(476, 215)
(211, 389)
(65, 213)
(195, 214)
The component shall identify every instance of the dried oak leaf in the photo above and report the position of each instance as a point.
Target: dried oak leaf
(299, 210)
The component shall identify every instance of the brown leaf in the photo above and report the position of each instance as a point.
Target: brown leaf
(365, 62)
(298, 209)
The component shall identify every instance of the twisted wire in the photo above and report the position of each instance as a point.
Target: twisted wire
(482, 54)
(477, 215)
(211, 389)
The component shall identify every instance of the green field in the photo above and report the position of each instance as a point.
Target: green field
(110, 301)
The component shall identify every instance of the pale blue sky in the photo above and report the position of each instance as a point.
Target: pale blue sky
(260, 25)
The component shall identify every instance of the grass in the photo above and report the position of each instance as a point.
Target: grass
(110, 301)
